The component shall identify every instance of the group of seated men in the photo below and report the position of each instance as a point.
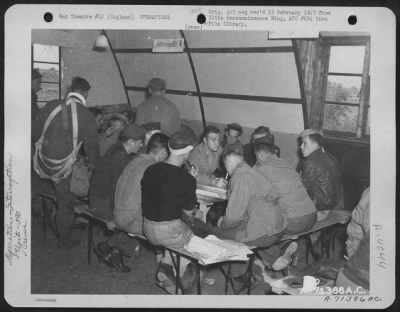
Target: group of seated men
(154, 193)
(146, 181)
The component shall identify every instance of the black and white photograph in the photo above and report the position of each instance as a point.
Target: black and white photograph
(199, 151)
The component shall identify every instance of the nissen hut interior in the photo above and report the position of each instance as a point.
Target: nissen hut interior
(200, 162)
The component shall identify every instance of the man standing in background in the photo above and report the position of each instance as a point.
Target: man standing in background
(35, 87)
(158, 109)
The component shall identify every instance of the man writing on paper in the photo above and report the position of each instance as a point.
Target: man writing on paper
(253, 215)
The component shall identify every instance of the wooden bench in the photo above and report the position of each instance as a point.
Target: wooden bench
(325, 226)
(175, 253)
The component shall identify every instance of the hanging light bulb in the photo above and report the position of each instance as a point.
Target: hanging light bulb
(101, 43)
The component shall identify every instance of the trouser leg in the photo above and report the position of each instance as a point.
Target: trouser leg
(294, 226)
(65, 212)
(269, 252)
(184, 262)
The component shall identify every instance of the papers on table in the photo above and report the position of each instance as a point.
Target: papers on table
(210, 193)
(212, 249)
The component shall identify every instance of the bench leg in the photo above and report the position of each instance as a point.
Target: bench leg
(177, 266)
(310, 248)
(326, 238)
(228, 279)
(198, 278)
(44, 218)
(250, 272)
(178, 277)
(90, 241)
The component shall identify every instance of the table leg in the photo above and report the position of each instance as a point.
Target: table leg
(90, 240)
(44, 217)
(250, 272)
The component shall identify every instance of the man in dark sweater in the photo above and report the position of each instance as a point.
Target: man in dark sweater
(109, 167)
(168, 192)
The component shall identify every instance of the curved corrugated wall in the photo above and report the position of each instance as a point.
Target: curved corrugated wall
(243, 77)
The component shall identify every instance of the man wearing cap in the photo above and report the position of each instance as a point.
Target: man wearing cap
(168, 193)
(206, 157)
(293, 198)
(248, 148)
(109, 167)
(110, 136)
(35, 87)
(320, 173)
(158, 109)
(55, 154)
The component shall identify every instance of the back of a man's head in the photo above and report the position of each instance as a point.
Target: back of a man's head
(264, 147)
(157, 85)
(79, 85)
(261, 130)
(157, 142)
(317, 138)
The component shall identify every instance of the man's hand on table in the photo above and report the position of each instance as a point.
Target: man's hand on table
(193, 171)
(198, 214)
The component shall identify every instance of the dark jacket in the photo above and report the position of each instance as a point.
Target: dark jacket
(34, 107)
(107, 170)
(322, 179)
(55, 145)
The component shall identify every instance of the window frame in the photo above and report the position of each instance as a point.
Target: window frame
(362, 117)
(59, 63)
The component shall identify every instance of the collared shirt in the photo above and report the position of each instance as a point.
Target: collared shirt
(253, 207)
(206, 161)
(159, 109)
(293, 197)
(128, 194)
